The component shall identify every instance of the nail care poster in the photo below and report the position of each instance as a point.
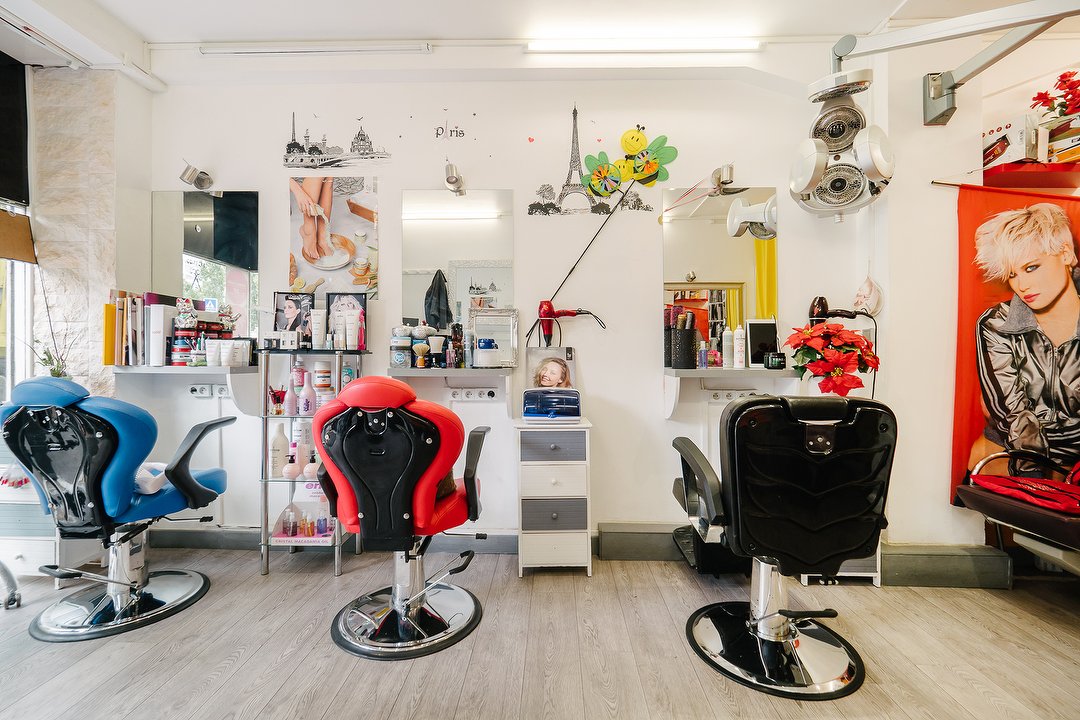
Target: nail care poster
(334, 242)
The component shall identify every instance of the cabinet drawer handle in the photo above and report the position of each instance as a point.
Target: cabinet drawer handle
(554, 516)
(554, 481)
(554, 446)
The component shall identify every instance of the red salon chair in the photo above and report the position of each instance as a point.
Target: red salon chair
(384, 454)
(801, 489)
(83, 456)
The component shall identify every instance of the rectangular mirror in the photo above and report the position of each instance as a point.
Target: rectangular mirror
(470, 238)
(207, 247)
(720, 256)
(496, 337)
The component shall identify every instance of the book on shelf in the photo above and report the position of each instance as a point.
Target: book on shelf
(137, 328)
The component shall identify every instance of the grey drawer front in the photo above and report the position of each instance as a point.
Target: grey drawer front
(554, 514)
(569, 446)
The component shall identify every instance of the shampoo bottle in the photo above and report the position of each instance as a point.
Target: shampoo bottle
(468, 348)
(291, 401)
(727, 344)
(279, 451)
(306, 404)
(740, 347)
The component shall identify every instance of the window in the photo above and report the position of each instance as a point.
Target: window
(228, 284)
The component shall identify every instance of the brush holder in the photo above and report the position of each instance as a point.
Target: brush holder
(684, 345)
(667, 346)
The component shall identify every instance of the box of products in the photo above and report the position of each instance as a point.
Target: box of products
(303, 523)
(1014, 140)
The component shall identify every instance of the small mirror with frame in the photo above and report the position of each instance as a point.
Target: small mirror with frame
(501, 326)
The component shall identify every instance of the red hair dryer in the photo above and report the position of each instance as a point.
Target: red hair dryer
(547, 313)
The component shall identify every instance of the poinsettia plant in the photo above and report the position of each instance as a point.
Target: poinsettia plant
(834, 354)
(1065, 103)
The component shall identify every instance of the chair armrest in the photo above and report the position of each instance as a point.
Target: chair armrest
(178, 472)
(1041, 460)
(329, 488)
(472, 458)
(701, 484)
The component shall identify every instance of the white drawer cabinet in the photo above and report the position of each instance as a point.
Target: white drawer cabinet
(554, 510)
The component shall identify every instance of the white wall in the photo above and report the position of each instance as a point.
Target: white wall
(239, 131)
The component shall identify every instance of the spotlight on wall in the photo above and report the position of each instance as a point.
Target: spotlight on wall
(453, 180)
(845, 163)
(199, 179)
(759, 219)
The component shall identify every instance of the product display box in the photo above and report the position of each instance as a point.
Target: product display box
(299, 524)
(1014, 140)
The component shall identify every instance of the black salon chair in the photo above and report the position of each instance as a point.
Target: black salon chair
(801, 489)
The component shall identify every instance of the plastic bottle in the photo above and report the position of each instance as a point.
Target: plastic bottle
(311, 470)
(703, 354)
(290, 524)
(307, 397)
(740, 347)
(321, 522)
(298, 372)
(348, 374)
(727, 344)
(292, 403)
(279, 451)
(468, 342)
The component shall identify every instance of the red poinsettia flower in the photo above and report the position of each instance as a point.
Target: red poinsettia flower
(872, 361)
(1066, 79)
(1042, 99)
(836, 372)
(847, 337)
(811, 335)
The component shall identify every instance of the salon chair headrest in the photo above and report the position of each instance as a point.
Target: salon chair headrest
(48, 391)
(376, 393)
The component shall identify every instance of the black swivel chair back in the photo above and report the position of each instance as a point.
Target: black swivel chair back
(805, 479)
(802, 489)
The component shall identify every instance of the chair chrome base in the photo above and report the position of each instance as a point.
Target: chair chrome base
(811, 663)
(371, 628)
(92, 613)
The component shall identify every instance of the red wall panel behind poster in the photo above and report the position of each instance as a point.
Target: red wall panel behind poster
(975, 206)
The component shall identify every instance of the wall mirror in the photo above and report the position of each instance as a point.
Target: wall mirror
(207, 247)
(496, 335)
(469, 237)
(724, 273)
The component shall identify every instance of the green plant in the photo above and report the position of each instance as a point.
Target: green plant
(54, 356)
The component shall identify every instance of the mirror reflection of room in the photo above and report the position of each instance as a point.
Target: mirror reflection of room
(719, 273)
(469, 239)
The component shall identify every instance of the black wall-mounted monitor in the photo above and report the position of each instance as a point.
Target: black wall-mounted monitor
(14, 175)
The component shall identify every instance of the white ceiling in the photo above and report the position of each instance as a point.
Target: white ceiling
(291, 20)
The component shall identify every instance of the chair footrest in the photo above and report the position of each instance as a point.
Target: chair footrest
(60, 573)
(808, 614)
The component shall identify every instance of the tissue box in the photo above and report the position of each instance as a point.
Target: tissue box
(1016, 139)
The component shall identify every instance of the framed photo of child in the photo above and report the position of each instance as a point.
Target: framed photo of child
(292, 311)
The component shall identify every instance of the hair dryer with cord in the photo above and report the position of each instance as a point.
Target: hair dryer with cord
(547, 314)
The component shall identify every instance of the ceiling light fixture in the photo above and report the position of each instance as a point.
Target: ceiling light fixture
(316, 48)
(642, 45)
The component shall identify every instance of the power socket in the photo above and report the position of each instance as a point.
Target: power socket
(729, 395)
(199, 391)
(221, 391)
(479, 394)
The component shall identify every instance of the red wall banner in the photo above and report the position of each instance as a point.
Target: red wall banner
(975, 206)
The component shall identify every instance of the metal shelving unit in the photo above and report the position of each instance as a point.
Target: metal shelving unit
(265, 541)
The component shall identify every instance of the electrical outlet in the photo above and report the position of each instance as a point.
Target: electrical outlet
(221, 391)
(479, 394)
(199, 390)
(729, 395)
(455, 394)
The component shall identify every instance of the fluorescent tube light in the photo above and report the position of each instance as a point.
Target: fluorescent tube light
(316, 48)
(451, 215)
(642, 45)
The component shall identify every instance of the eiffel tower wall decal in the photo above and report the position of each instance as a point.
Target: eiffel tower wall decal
(572, 198)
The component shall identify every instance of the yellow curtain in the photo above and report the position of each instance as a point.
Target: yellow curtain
(765, 276)
(734, 306)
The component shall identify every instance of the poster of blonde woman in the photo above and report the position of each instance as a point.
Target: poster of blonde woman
(1018, 345)
(334, 243)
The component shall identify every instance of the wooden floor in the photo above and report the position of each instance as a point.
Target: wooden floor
(555, 644)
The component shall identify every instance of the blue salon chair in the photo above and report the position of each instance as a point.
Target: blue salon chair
(82, 454)
(801, 489)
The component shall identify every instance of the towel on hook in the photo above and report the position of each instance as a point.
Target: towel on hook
(437, 302)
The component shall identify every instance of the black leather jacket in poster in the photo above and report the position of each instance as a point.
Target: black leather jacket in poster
(1030, 389)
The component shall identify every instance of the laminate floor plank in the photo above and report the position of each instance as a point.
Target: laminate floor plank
(683, 595)
(434, 682)
(253, 690)
(493, 682)
(668, 678)
(555, 644)
(552, 689)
